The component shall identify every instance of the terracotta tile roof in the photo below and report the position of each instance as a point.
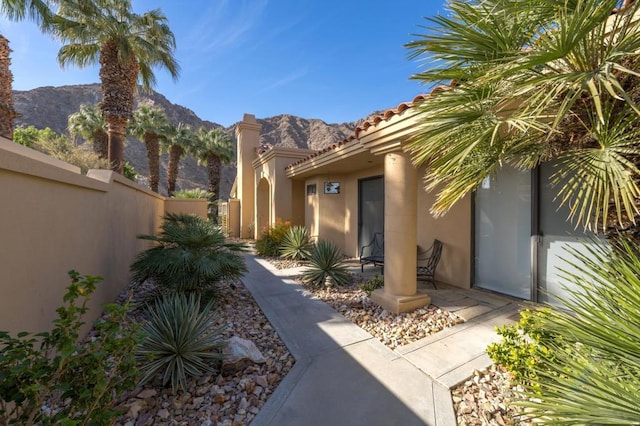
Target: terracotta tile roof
(384, 116)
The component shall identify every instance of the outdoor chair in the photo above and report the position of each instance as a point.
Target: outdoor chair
(428, 262)
(373, 253)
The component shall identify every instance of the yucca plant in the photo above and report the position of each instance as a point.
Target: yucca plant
(593, 376)
(178, 340)
(296, 244)
(191, 254)
(325, 261)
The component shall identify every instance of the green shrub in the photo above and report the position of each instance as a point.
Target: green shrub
(129, 171)
(191, 254)
(178, 340)
(372, 284)
(296, 244)
(325, 261)
(198, 193)
(53, 377)
(522, 348)
(593, 376)
(268, 244)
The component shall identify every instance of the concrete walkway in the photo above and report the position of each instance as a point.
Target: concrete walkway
(345, 376)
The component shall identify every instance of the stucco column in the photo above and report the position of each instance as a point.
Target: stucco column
(400, 237)
(248, 139)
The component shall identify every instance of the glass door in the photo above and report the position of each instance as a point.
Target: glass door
(557, 237)
(370, 209)
(503, 233)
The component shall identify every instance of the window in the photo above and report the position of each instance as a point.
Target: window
(311, 189)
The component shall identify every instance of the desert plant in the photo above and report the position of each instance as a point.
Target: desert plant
(594, 375)
(372, 284)
(268, 244)
(178, 340)
(54, 378)
(522, 348)
(193, 193)
(325, 261)
(191, 254)
(296, 243)
(129, 171)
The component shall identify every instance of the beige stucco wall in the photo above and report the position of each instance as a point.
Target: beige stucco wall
(454, 230)
(335, 217)
(52, 220)
(198, 207)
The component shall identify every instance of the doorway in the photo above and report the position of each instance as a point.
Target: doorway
(522, 235)
(370, 209)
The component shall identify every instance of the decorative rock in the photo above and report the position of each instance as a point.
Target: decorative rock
(240, 353)
(147, 393)
(164, 414)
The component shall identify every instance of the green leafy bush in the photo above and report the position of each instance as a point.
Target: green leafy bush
(268, 244)
(372, 284)
(296, 243)
(593, 376)
(129, 171)
(198, 193)
(53, 377)
(522, 348)
(325, 261)
(191, 254)
(178, 340)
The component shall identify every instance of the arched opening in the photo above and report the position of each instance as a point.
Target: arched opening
(262, 206)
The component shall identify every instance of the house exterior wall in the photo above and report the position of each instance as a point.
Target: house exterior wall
(52, 220)
(454, 230)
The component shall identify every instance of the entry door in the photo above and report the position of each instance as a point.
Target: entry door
(558, 241)
(370, 209)
(503, 234)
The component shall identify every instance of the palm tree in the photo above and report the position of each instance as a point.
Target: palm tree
(213, 148)
(89, 123)
(534, 81)
(7, 112)
(126, 45)
(177, 141)
(148, 124)
(15, 10)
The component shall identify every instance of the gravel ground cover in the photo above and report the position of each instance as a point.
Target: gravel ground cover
(219, 400)
(214, 399)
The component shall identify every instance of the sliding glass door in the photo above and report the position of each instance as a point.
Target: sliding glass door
(503, 234)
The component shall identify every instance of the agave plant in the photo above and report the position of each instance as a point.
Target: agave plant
(191, 254)
(597, 381)
(296, 244)
(325, 261)
(178, 340)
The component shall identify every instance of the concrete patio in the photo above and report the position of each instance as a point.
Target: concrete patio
(345, 376)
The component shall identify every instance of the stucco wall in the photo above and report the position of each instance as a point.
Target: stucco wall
(52, 219)
(454, 230)
(335, 217)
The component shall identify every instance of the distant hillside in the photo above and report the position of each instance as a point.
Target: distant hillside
(50, 106)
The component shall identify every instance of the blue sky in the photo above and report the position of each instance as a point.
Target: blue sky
(333, 60)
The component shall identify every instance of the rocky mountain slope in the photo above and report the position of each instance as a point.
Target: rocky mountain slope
(50, 106)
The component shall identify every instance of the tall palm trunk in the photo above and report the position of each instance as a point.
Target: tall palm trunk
(118, 88)
(174, 159)
(101, 144)
(213, 170)
(7, 113)
(153, 156)
(116, 125)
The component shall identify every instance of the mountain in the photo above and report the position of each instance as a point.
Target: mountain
(50, 106)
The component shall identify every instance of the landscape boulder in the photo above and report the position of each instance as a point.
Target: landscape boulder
(238, 354)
